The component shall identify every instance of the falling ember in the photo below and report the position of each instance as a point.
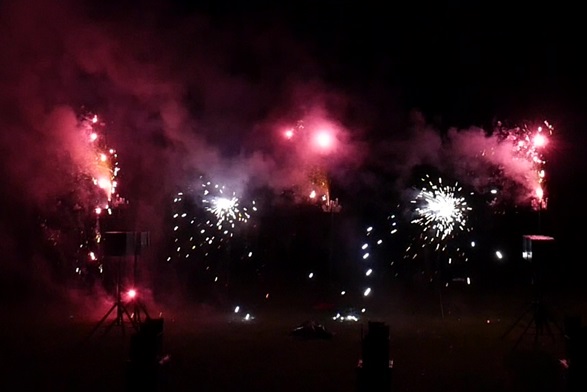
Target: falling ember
(318, 186)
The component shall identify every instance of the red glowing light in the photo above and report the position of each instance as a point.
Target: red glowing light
(324, 140)
(289, 134)
(104, 183)
(132, 293)
(540, 140)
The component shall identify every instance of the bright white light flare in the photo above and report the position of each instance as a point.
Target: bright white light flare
(324, 140)
(440, 210)
(226, 208)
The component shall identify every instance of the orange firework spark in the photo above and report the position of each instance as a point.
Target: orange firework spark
(529, 143)
(104, 169)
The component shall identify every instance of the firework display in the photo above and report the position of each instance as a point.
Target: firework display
(440, 210)
(528, 143)
(75, 228)
(225, 206)
(374, 258)
(104, 173)
(311, 145)
(204, 219)
(438, 241)
(105, 168)
(210, 222)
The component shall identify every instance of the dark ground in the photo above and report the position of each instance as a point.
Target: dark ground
(43, 346)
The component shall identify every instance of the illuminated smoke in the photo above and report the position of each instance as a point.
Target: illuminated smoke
(174, 106)
(507, 163)
(528, 144)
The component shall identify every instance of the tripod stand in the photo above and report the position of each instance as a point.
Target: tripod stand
(134, 310)
(541, 318)
(537, 250)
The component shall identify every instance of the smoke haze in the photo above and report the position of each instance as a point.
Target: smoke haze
(182, 94)
(178, 94)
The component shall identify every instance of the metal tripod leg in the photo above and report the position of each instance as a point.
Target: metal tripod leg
(139, 307)
(119, 320)
(541, 319)
(102, 320)
(518, 321)
(122, 311)
(532, 320)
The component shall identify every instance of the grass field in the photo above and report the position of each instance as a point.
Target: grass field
(457, 347)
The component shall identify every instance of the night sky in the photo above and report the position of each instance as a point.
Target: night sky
(188, 87)
(459, 64)
(462, 63)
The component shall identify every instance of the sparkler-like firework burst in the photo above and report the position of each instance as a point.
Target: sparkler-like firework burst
(528, 143)
(77, 220)
(225, 206)
(103, 170)
(442, 222)
(440, 210)
(205, 218)
(103, 167)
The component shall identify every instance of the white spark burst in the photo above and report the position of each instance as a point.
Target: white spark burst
(440, 210)
(224, 205)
